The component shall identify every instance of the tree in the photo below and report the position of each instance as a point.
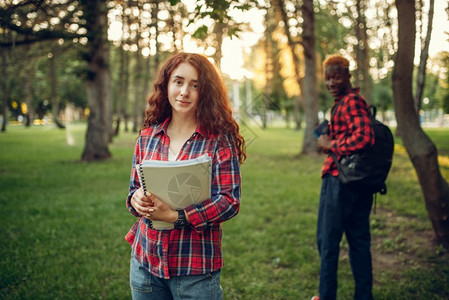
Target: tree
(54, 83)
(310, 81)
(123, 72)
(4, 86)
(76, 20)
(362, 77)
(420, 148)
(268, 67)
(421, 78)
(97, 81)
(295, 58)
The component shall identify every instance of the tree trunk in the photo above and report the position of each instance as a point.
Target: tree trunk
(421, 78)
(310, 82)
(98, 80)
(127, 59)
(363, 79)
(420, 148)
(138, 82)
(54, 94)
(28, 89)
(268, 70)
(296, 61)
(297, 111)
(28, 99)
(154, 16)
(218, 30)
(4, 87)
(121, 88)
(126, 91)
(120, 92)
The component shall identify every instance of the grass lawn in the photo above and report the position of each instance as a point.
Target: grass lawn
(63, 222)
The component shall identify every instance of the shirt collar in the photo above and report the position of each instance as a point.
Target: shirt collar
(355, 90)
(162, 127)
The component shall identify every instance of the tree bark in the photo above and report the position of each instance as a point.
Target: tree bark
(28, 97)
(98, 88)
(363, 79)
(310, 82)
(122, 94)
(268, 70)
(138, 81)
(4, 87)
(420, 148)
(296, 62)
(121, 89)
(154, 16)
(421, 78)
(54, 93)
(28, 87)
(218, 30)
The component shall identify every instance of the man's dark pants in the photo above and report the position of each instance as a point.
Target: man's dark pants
(343, 210)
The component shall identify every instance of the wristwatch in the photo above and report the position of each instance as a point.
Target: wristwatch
(181, 222)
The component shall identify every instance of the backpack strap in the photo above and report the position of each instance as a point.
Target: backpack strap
(373, 110)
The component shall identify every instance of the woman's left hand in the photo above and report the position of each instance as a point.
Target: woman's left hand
(161, 211)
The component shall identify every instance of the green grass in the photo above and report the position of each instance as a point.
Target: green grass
(63, 223)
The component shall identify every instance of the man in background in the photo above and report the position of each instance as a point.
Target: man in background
(342, 209)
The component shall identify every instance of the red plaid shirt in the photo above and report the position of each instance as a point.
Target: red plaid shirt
(350, 129)
(195, 249)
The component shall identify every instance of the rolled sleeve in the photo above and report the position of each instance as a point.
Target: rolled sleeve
(134, 182)
(225, 201)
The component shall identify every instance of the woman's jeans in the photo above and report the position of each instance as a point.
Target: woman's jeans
(343, 210)
(144, 285)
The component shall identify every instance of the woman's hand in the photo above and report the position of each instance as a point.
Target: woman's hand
(152, 208)
(141, 202)
(160, 211)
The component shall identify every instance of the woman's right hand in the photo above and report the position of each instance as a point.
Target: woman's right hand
(141, 202)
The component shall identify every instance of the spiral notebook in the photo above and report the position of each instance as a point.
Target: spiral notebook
(178, 183)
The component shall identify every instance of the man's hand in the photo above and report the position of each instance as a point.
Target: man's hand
(324, 143)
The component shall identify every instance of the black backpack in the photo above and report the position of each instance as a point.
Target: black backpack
(368, 169)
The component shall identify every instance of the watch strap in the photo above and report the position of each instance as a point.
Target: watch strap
(182, 221)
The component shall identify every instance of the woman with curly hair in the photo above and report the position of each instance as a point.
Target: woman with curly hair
(188, 115)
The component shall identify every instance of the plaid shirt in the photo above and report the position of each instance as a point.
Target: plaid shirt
(350, 129)
(195, 249)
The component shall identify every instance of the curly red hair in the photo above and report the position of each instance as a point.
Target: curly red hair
(336, 60)
(214, 113)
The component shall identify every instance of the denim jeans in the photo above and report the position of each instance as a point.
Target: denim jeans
(144, 285)
(343, 210)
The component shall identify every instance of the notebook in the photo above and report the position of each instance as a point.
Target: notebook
(178, 183)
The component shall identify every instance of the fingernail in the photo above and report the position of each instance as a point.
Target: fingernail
(150, 210)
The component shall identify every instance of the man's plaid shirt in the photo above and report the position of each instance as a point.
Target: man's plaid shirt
(195, 249)
(350, 129)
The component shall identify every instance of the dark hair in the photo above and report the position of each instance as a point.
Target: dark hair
(214, 112)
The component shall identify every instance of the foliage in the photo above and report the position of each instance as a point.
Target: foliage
(68, 73)
(383, 95)
(330, 32)
(442, 92)
(62, 25)
(446, 104)
(325, 99)
(63, 223)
